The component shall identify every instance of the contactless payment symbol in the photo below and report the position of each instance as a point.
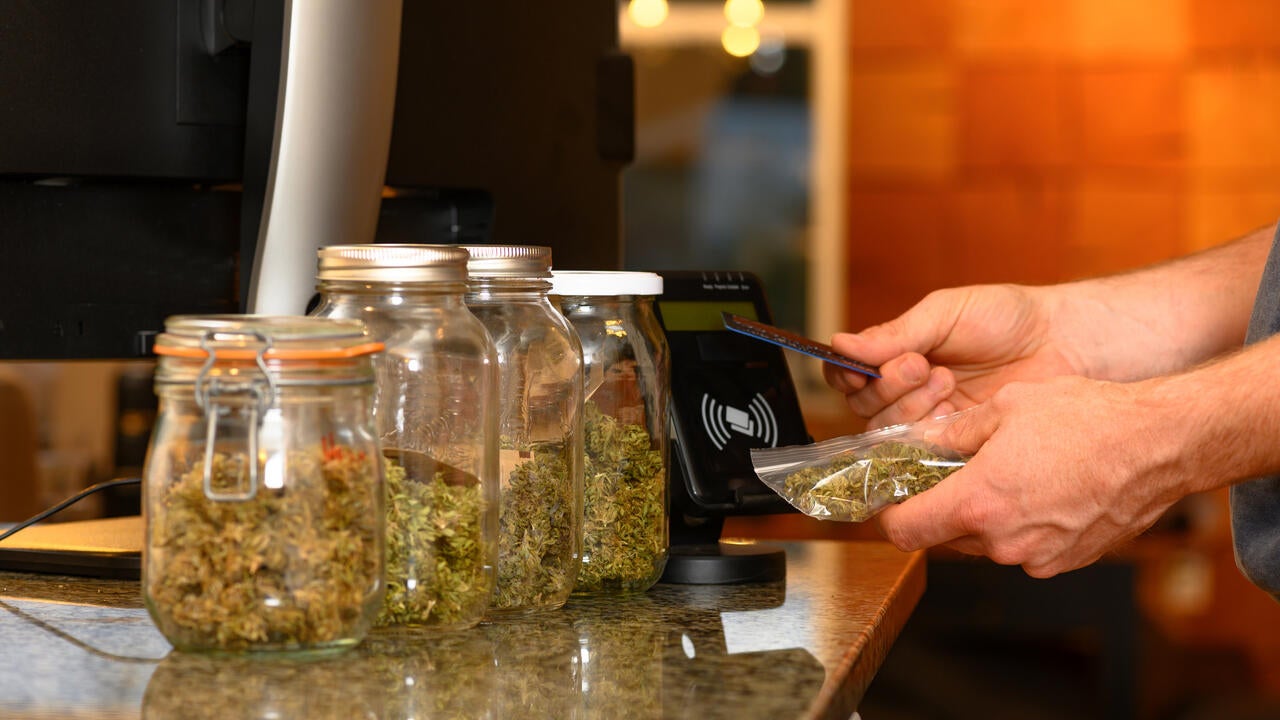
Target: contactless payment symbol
(722, 421)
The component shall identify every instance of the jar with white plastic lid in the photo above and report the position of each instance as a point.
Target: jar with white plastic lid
(436, 416)
(628, 370)
(263, 489)
(540, 427)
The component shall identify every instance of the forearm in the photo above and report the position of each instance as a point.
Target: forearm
(1219, 423)
(1165, 318)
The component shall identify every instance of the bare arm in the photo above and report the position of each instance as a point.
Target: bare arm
(1164, 318)
(958, 346)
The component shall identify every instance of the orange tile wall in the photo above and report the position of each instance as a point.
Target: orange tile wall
(1037, 141)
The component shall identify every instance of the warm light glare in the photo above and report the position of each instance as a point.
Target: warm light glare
(769, 58)
(740, 41)
(744, 13)
(647, 13)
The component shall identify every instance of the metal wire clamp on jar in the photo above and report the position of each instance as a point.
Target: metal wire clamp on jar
(436, 415)
(540, 446)
(628, 370)
(263, 489)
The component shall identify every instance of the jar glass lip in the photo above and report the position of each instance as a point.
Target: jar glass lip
(280, 337)
(604, 283)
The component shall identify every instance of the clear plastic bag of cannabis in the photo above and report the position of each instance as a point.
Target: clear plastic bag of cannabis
(853, 477)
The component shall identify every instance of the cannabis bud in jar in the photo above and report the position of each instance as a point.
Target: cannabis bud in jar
(540, 397)
(436, 416)
(852, 478)
(436, 559)
(292, 567)
(537, 547)
(624, 538)
(262, 490)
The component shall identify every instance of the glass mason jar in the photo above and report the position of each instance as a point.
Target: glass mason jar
(436, 414)
(628, 371)
(263, 490)
(540, 430)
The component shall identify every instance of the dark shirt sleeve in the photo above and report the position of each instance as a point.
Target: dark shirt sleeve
(1255, 504)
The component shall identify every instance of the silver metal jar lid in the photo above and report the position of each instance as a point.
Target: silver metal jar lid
(392, 263)
(509, 261)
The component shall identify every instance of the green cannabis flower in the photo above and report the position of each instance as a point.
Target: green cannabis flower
(854, 486)
(436, 560)
(538, 532)
(293, 567)
(624, 535)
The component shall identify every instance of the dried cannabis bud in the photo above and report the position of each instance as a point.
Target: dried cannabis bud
(537, 537)
(624, 539)
(436, 564)
(296, 566)
(854, 486)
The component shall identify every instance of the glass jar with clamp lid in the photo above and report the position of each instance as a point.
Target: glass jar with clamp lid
(263, 489)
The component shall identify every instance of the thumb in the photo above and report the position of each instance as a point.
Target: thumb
(921, 329)
(926, 519)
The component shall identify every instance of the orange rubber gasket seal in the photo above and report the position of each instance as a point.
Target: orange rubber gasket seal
(273, 354)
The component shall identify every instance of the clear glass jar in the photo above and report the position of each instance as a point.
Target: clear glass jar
(540, 451)
(263, 490)
(628, 376)
(436, 415)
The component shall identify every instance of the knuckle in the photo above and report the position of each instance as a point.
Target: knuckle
(898, 536)
(973, 516)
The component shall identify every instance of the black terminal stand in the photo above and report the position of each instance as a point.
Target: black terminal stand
(729, 394)
(699, 557)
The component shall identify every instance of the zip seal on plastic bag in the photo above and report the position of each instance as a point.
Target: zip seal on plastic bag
(852, 477)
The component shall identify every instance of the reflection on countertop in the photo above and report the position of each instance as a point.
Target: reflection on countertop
(804, 648)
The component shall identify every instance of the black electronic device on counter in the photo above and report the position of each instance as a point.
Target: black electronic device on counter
(729, 393)
(148, 163)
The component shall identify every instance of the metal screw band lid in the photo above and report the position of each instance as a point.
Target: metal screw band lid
(393, 263)
(509, 261)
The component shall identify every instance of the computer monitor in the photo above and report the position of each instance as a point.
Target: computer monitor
(188, 156)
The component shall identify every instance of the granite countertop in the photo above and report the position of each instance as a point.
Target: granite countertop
(806, 648)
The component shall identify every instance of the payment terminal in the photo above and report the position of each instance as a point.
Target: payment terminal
(729, 393)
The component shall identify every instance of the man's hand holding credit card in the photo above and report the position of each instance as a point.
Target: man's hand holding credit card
(798, 343)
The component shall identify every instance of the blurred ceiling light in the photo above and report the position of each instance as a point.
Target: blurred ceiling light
(769, 58)
(647, 13)
(744, 13)
(740, 41)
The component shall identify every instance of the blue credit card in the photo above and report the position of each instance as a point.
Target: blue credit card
(791, 341)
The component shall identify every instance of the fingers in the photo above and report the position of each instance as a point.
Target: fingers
(968, 432)
(907, 390)
(952, 510)
(925, 520)
(924, 401)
